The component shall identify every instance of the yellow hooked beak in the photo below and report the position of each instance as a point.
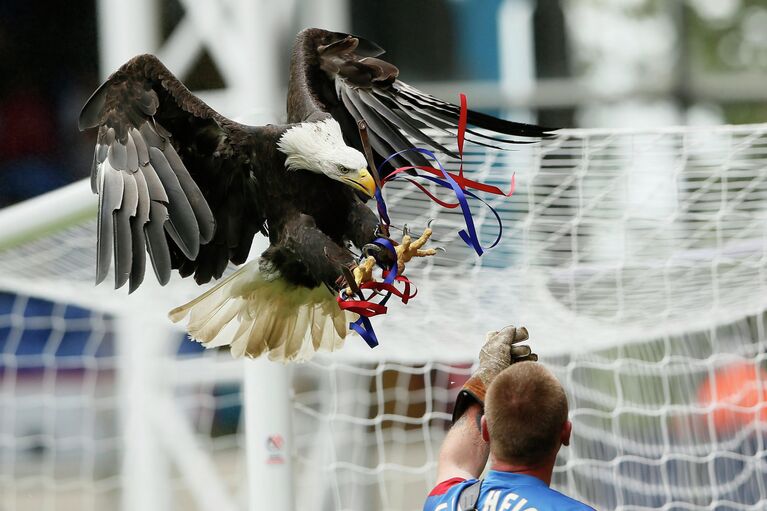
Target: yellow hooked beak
(363, 182)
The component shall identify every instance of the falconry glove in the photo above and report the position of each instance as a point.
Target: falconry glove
(500, 350)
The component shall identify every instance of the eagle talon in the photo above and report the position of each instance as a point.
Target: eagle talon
(383, 257)
(410, 248)
(362, 273)
(371, 249)
(352, 288)
(382, 231)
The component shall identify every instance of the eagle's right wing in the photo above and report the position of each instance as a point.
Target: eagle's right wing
(173, 176)
(342, 75)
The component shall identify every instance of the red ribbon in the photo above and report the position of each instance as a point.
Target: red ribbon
(366, 307)
(463, 182)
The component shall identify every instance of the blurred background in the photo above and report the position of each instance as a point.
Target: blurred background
(71, 423)
(562, 63)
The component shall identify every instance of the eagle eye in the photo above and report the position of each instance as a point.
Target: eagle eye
(343, 170)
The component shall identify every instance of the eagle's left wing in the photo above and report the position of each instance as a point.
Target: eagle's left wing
(341, 75)
(175, 178)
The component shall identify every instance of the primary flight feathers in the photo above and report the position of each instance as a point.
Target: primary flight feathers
(191, 188)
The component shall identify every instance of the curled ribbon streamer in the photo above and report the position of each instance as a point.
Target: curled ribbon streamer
(442, 183)
(448, 205)
(462, 116)
(369, 308)
(468, 235)
(365, 307)
(450, 182)
(462, 181)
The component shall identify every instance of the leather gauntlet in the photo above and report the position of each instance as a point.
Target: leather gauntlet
(498, 353)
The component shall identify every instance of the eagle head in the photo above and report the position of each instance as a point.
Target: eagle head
(319, 147)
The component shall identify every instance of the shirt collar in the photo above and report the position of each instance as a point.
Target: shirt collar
(513, 478)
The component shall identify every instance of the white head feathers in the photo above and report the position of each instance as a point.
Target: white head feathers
(319, 147)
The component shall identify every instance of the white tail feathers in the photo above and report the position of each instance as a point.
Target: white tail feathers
(256, 315)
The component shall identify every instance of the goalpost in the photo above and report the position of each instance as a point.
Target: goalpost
(637, 260)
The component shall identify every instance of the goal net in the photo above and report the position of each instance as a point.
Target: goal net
(637, 260)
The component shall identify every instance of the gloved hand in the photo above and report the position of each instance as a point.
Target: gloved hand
(499, 352)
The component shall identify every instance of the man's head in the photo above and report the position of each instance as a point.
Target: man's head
(525, 415)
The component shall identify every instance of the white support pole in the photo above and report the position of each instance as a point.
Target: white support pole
(258, 94)
(517, 53)
(193, 463)
(182, 48)
(269, 435)
(141, 346)
(126, 29)
(328, 14)
(32, 218)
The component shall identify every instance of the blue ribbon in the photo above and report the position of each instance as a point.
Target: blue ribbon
(468, 235)
(470, 220)
(363, 325)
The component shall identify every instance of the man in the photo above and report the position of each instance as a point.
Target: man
(522, 427)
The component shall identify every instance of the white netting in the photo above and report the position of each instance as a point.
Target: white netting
(638, 260)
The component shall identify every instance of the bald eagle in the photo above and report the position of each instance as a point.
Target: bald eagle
(191, 188)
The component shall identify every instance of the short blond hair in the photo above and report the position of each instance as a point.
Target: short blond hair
(525, 408)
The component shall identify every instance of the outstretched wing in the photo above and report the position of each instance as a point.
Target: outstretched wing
(340, 75)
(173, 178)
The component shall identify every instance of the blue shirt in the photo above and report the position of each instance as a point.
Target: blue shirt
(503, 491)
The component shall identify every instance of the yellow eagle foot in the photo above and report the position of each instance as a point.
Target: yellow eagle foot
(362, 273)
(410, 248)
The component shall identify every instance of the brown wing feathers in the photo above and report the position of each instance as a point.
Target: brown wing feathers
(395, 112)
(147, 195)
(175, 178)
